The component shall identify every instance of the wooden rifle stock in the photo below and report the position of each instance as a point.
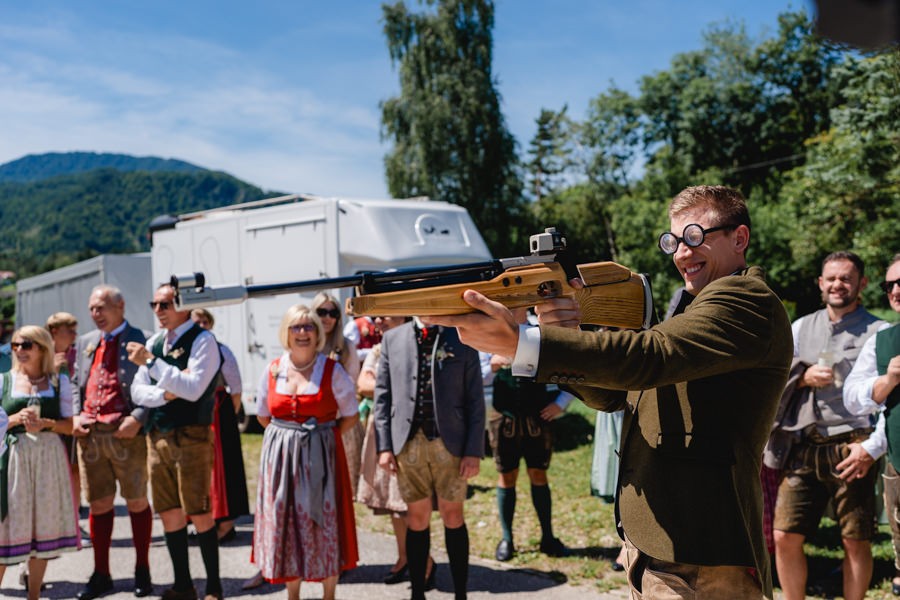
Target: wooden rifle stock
(613, 295)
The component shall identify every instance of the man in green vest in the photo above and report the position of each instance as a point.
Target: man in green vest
(177, 381)
(699, 392)
(520, 428)
(873, 385)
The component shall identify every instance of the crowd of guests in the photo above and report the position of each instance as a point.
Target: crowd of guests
(727, 444)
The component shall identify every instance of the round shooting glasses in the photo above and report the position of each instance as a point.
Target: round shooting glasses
(692, 236)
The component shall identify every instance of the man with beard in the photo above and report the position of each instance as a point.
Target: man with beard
(823, 432)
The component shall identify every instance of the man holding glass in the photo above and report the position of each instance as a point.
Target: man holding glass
(826, 344)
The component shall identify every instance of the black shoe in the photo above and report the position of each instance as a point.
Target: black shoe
(505, 550)
(617, 566)
(142, 584)
(554, 547)
(97, 586)
(430, 582)
(398, 576)
(895, 588)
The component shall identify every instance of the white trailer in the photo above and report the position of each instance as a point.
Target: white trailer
(69, 288)
(298, 238)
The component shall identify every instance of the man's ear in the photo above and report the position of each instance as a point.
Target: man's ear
(741, 238)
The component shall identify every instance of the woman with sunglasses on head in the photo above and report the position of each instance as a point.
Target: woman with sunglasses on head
(37, 518)
(342, 350)
(305, 529)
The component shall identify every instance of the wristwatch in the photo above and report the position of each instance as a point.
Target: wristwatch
(150, 361)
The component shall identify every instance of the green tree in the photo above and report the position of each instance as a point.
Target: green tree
(550, 153)
(450, 141)
(847, 194)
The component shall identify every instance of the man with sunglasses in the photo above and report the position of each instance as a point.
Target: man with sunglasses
(109, 432)
(820, 432)
(699, 392)
(177, 381)
(874, 385)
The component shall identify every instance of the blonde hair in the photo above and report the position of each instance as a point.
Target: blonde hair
(40, 337)
(294, 314)
(334, 343)
(61, 319)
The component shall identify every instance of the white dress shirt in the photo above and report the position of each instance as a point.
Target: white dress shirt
(858, 395)
(203, 364)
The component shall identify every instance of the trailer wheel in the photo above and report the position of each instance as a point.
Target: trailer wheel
(247, 423)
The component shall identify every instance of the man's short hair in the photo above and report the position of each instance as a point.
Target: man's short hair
(61, 319)
(895, 259)
(112, 293)
(846, 255)
(727, 203)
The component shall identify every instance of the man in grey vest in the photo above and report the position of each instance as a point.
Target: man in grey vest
(177, 381)
(826, 344)
(873, 384)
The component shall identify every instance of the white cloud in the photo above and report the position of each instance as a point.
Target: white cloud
(198, 101)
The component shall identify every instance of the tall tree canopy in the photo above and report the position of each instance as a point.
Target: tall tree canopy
(803, 128)
(450, 141)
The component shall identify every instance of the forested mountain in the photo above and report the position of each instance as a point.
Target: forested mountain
(56, 221)
(35, 167)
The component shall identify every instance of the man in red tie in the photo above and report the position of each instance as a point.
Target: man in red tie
(110, 436)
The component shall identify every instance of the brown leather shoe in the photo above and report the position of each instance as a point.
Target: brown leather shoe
(173, 594)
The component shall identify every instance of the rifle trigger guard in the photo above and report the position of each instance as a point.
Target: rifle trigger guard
(549, 289)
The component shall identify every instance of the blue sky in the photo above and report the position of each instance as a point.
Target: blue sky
(285, 94)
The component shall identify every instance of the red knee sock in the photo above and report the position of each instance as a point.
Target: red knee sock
(141, 526)
(101, 538)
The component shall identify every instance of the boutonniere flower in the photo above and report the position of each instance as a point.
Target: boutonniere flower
(89, 351)
(442, 354)
(176, 353)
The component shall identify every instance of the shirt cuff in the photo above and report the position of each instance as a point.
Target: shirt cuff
(874, 447)
(525, 362)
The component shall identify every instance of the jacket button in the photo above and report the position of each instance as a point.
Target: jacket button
(554, 379)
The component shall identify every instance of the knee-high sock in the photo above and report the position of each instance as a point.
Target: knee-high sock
(418, 547)
(506, 508)
(458, 553)
(543, 506)
(141, 530)
(177, 544)
(209, 550)
(101, 538)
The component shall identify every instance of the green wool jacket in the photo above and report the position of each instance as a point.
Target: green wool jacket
(702, 390)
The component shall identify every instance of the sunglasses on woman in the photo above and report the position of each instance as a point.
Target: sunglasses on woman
(26, 345)
(302, 327)
(325, 312)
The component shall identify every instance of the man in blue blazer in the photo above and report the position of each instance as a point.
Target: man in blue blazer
(429, 427)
